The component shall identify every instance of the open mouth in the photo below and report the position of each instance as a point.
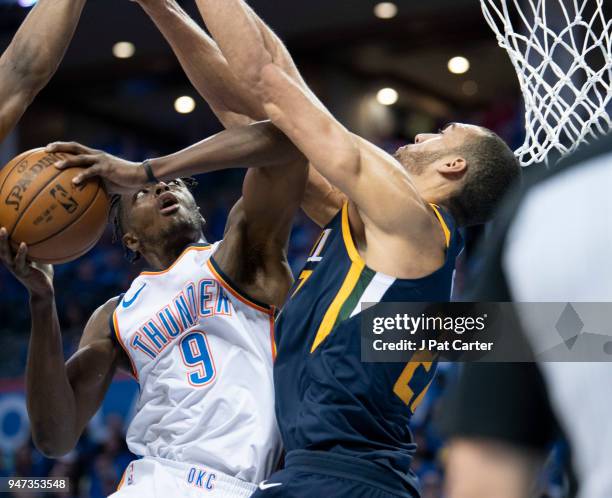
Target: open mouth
(168, 203)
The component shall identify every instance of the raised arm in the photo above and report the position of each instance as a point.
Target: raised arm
(257, 44)
(61, 396)
(246, 56)
(33, 56)
(350, 163)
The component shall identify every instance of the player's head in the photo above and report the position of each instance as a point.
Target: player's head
(465, 168)
(159, 218)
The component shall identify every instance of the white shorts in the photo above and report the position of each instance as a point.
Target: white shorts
(160, 478)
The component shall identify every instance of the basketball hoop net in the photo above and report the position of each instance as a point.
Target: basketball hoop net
(562, 53)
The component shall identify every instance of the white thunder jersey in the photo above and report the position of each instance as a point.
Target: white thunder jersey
(203, 355)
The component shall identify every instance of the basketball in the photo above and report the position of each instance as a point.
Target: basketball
(40, 206)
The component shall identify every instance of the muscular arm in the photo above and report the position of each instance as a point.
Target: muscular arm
(378, 185)
(258, 145)
(227, 92)
(34, 55)
(63, 396)
(349, 163)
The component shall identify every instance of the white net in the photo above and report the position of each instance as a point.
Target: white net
(562, 53)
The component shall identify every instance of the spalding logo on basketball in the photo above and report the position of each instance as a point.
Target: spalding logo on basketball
(40, 206)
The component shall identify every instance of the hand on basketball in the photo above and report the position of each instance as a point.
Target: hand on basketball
(119, 176)
(37, 278)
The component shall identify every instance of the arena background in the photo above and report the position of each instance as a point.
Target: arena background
(126, 106)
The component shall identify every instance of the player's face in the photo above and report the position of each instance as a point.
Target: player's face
(431, 147)
(165, 210)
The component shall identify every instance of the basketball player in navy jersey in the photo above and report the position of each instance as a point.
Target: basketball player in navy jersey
(393, 238)
(33, 56)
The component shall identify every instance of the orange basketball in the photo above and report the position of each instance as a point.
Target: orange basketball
(40, 206)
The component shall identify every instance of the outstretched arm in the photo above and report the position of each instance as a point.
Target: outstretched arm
(258, 145)
(34, 55)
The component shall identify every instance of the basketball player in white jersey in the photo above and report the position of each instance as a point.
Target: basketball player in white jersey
(33, 55)
(197, 332)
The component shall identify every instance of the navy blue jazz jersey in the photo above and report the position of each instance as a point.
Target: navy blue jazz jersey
(328, 400)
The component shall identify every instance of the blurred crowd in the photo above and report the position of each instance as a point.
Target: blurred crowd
(93, 468)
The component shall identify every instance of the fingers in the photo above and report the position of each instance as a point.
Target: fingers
(18, 263)
(21, 264)
(92, 172)
(80, 161)
(5, 251)
(69, 148)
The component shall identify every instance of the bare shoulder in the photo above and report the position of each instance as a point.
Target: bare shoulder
(98, 325)
(255, 263)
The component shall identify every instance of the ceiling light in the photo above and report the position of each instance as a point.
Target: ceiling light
(123, 50)
(385, 10)
(387, 96)
(458, 65)
(184, 105)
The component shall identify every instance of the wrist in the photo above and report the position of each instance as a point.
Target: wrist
(41, 297)
(146, 168)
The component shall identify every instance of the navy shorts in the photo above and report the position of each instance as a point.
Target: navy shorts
(314, 474)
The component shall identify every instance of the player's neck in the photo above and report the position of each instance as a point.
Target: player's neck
(434, 192)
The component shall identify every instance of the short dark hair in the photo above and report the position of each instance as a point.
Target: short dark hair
(115, 217)
(492, 169)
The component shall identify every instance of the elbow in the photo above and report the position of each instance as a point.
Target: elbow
(25, 66)
(51, 444)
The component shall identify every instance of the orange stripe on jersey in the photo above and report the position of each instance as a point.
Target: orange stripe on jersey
(236, 293)
(272, 338)
(120, 341)
(190, 248)
(445, 229)
(122, 478)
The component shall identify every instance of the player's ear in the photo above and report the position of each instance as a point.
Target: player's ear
(454, 166)
(131, 242)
